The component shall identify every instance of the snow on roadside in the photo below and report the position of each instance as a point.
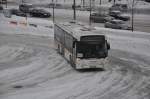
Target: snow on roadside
(29, 26)
(49, 76)
(38, 31)
(135, 42)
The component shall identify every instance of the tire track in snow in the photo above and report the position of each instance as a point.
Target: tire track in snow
(54, 78)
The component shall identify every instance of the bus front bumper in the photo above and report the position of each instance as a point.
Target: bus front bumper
(91, 63)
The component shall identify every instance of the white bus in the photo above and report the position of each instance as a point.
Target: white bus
(81, 46)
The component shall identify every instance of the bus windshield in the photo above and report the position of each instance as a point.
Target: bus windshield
(91, 50)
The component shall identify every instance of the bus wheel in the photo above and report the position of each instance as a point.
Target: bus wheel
(106, 54)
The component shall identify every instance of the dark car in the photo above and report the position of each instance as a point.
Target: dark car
(77, 7)
(40, 13)
(25, 7)
(121, 7)
(147, 0)
(123, 17)
(117, 24)
(18, 12)
(118, 15)
(100, 18)
(56, 5)
(114, 13)
(3, 1)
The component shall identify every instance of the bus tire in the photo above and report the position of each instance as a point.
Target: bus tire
(106, 54)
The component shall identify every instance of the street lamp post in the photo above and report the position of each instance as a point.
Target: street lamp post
(132, 15)
(100, 2)
(53, 11)
(90, 13)
(83, 3)
(6, 3)
(74, 9)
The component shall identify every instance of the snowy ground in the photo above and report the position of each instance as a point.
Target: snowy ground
(21, 25)
(30, 68)
(138, 3)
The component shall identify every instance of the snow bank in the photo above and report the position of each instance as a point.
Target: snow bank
(49, 76)
(135, 42)
(29, 26)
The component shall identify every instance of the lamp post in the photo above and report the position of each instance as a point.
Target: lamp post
(53, 11)
(90, 13)
(83, 3)
(74, 9)
(6, 3)
(100, 2)
(132, 16)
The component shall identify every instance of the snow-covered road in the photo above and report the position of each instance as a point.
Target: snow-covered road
(30, 68)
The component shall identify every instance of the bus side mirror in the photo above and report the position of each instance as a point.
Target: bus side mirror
(108, 46)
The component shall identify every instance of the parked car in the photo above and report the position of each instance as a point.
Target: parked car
(18, 12)
(118, 15)
(147, 1)
(1, 7)
(114, 13)
(121, 7)
(117, 24)
(123, 17)
(25, 7)
(100, 18)
(89, 9)
(77, 6)
(56, 5)
(3, 1)
(40, 13)
(7, 12)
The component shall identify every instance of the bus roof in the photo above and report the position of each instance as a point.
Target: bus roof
(78, 29)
